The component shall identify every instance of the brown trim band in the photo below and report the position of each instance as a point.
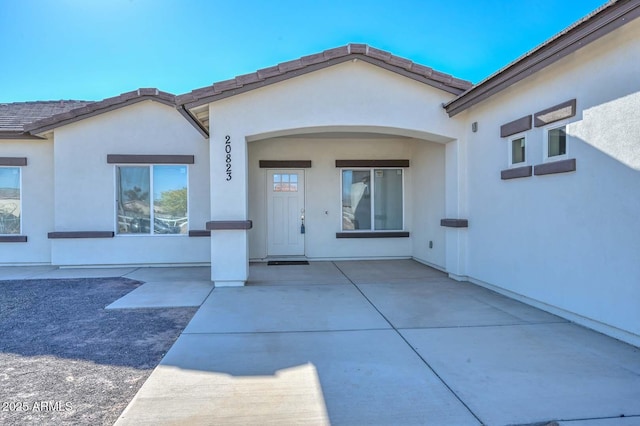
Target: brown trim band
(555, 113)
(372, 163)
(13, 238)
(285, 164)
(372, 234)
(80, 234)
(219, 225)
(199, 233)
(13, 161)
(518, 172)
(516, 126)
(454, 223)
(553, 167)
(149, 159)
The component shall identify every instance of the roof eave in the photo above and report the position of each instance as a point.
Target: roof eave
(605, 20)
(311, 63)
(194, 121)
(18, 134)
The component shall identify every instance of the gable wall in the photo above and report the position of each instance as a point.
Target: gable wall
(350, 97)
(353, 93)
(566, 240)
(85, 185)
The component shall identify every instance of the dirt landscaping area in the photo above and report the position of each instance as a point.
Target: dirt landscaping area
(64, 359)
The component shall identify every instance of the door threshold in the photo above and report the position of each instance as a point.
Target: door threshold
(287, 262)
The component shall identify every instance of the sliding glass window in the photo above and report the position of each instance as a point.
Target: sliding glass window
(10, 201)
(372, 200)
(152, 200)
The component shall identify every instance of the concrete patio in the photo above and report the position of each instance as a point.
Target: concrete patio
(371, 342)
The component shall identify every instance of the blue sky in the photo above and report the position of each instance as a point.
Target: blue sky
(93, 49)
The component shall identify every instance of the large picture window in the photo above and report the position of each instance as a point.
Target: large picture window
(372, 199)
(10, 205)
(152, 199)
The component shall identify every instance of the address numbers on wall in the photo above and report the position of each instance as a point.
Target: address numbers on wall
(227, 158)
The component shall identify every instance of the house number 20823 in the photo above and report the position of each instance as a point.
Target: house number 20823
(227, 159)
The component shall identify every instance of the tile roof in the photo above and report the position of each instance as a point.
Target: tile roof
(320, 60)
(24, 119)
(14, 116)
(94, 108)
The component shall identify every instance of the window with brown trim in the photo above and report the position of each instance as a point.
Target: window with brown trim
(372, 200)
(10, 201)
(517, 151)
(152, 200)
(555, 142)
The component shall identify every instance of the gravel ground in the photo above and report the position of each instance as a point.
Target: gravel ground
(66, 360)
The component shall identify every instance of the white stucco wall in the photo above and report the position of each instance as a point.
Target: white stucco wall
(349, 94)
(350, 97)
(428, 189)
(568, 241)
(85, 185)
(37, 201)
(423, 193)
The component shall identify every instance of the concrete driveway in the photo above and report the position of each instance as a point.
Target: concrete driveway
(384, 342)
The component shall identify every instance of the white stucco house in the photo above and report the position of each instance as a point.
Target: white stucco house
(527, 183)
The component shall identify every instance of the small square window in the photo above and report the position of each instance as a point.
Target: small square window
(518, 150)
(557, 141)
(285, 182)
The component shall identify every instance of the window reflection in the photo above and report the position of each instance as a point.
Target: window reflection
(368, 205)
(169, 187)
(10, 206)
(283, 182)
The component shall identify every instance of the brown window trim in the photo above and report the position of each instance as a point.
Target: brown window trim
(554, 167)
(454, 223)
(149, 159)
(555, 113)
(373, 234)
(285, 164)
(517, 172)
(219, 225)
(199, 233)
(372, 163)
(516, 126)
(13, 238)
(13, 161)
(80, 234)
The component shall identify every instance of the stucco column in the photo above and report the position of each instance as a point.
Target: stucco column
(456, 208)
(229, 224)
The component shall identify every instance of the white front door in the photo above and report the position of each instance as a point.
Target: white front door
(285, 211)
